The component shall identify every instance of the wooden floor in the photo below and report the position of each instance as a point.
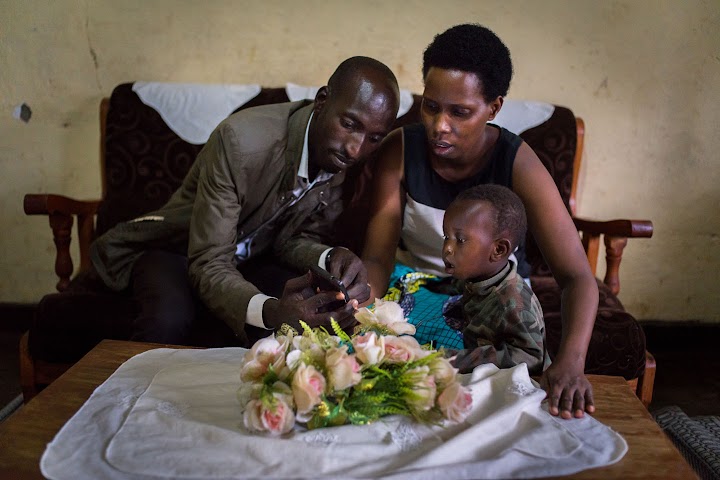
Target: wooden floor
(687, 363)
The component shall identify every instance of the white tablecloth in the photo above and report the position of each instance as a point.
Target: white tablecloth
(174, 414)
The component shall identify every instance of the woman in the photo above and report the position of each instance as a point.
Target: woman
(421, 168)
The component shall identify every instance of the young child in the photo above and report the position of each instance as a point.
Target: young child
(501, 320)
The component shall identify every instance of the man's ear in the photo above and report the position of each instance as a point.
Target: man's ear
(495, 107)
(320, 98)
(501, 249)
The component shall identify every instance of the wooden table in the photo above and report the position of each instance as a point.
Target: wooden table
(25, 434)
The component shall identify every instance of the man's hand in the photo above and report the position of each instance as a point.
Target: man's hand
(345, 265)
(568, 390)
(300, 302)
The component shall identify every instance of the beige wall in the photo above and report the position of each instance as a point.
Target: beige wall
(645, 76)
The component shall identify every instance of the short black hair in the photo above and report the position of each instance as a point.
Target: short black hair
(474, 49)
(353, 66)
(510, 214)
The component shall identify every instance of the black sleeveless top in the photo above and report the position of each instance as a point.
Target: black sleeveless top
(425, 188)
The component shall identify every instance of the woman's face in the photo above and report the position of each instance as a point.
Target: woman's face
(455, 112)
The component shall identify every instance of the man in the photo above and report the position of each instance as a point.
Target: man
(268, 181)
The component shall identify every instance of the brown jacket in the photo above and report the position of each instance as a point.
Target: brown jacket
(240, 184)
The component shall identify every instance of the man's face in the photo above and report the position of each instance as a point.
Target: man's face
(349, 124)
(469, 246)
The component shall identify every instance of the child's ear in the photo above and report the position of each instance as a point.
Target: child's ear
(501, 249)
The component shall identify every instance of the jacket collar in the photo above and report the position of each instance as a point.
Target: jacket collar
(484, 287)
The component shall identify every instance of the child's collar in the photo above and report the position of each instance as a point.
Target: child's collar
(481, 285)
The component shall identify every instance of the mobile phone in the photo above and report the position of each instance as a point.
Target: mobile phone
(321, 279)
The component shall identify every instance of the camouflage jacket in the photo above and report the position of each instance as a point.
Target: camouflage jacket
(503, 324)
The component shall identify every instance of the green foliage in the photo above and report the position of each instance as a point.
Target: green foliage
(339, 332)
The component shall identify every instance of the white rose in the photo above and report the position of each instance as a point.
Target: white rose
(247, 392)
(388, 314)
(369, 348)
(443, 371)
(343, 369)
(422, 395)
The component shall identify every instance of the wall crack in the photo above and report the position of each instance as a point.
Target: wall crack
(93, 55)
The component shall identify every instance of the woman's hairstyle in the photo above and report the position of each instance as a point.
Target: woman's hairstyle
(474, 49)
(510, 217)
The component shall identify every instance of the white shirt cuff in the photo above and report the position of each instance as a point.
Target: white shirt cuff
(323, 257)
(254, 312)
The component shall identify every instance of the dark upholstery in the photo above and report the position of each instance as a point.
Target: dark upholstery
(146, 162)
(618, 342)
(554, 142)
(67, 325)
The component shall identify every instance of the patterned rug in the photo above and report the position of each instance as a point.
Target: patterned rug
(697, 438)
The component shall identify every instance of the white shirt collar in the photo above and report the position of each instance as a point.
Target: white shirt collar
(304, 156)
(305, 160)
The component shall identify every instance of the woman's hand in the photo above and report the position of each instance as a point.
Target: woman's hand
(569, 393)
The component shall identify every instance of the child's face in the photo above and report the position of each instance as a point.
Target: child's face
(469, 249)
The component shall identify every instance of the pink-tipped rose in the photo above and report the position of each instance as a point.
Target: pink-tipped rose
(275, 420)
(343, 369)
(275, 416)
(307, 386)
(267, 351)
(402, 349)
(455, 402)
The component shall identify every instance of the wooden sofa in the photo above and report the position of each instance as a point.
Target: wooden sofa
(143, 161)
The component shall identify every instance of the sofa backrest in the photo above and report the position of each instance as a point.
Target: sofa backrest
(558, 144)
(144, 162)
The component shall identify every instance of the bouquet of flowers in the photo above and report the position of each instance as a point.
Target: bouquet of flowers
(321, 380)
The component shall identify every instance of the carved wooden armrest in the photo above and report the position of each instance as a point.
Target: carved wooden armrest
(615, 234)
(61, 211)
